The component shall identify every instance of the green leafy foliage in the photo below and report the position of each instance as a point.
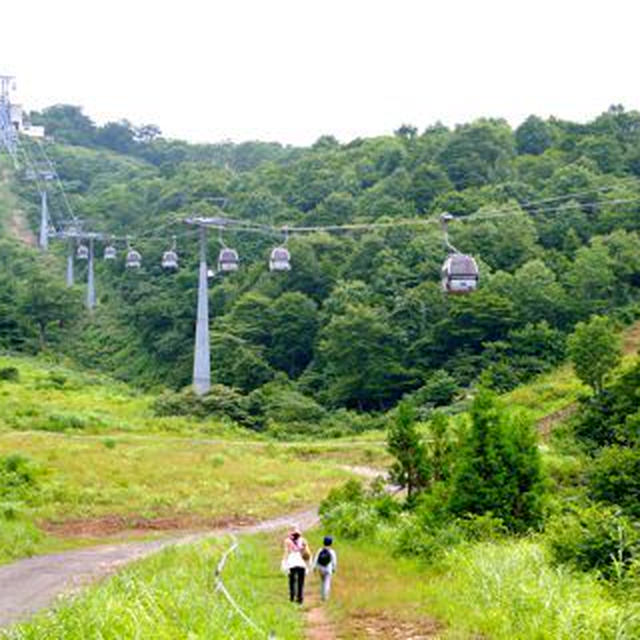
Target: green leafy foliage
(19, 478)
(360, 320)
(499, 469)
(595, 350)
(594, 538)
(613, 416)
(411, 469)
(614, 477)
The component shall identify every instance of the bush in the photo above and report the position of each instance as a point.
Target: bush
(287, 408)
(18, 538)
(19, 478)
(11, 374)
(615, 478)
(613, 416)
(64, 421)
(351, 519)
(220, 401)
(594, 538)
(353, 512)
(439, 390)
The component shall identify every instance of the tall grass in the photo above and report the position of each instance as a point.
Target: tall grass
(500, 590)
(509, 591)
(172, 595)
(18, 537)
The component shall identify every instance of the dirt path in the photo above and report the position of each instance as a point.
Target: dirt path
(34, 583)
(29, 585)
(16, 222)
(317, 623)
(545, 425)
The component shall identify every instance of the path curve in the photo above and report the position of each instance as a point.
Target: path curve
(29, 585)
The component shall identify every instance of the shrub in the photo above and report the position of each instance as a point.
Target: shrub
(220, 401)
(11, 374)
(594, 348)
(64, 421)
(350, 511)
(615, 478)
(611, 417)
(439, 390)
(19, 478)
(594, 537)
(351, 519)
(57, 380)
(18, 538)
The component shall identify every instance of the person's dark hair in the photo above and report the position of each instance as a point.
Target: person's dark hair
(328, 541)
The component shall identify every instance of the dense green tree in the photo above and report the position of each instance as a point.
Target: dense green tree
(478, 153)
(67, 124)
(591, 280)
(295, 322)
(533, 136)
(236, 363)
(499, 468)
(359, 351)
(118, 136)
(536, 294)
(411, 467)
(48, 305)
(428, 181)
(594, 348)
(614, 477)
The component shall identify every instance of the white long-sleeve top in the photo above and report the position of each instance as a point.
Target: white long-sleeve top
(332, 567)
(293, 554)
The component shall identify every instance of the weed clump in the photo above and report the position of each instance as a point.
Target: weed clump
(19, 478)
(10, 374)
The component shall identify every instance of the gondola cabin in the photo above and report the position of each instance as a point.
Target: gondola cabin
(280, 260)
(109, 253)
(228, 260)
(133, 259)
(459, 274)
(170, 260)
(82, 253)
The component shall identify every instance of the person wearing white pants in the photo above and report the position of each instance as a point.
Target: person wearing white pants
(326, 564)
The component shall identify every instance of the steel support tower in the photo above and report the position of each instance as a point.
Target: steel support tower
(71, 235)
(8, 133)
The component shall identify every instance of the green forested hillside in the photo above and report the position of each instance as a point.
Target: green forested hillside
(549, 209)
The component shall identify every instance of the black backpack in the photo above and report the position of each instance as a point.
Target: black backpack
(324, 557)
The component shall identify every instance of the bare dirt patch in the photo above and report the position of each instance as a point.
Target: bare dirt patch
(131, 525)
(382, 625)
(546, 424)
(19, 229)
(631, 341)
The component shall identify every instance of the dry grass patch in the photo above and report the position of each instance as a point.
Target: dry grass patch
(153, 478)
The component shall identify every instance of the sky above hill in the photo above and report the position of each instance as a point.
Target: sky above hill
(293, 70)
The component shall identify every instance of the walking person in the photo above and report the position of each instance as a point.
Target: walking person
(326, 564)
(294, 562)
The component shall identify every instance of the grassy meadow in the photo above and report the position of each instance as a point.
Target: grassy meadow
(105, 466)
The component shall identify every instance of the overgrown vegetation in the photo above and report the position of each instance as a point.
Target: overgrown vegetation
(173, 595)
(576, 532)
